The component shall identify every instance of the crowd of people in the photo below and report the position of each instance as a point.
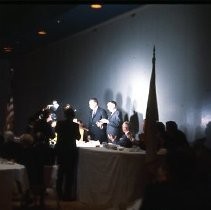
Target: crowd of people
(182, 180)
(33, 149)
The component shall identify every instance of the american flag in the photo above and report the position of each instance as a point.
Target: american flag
(9, 123)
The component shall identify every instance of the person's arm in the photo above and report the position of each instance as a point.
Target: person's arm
(124, 141)
(77, 132)
(104, 120)
(116, 120)
(104, 114)
(112, 138)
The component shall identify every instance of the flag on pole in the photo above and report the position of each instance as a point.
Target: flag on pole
(151, 116)
(9, 123)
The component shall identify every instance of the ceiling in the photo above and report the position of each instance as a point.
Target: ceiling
(19, 23)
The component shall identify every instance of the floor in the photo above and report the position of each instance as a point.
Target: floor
(51, 203)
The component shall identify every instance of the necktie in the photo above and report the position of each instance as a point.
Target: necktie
(93, 113)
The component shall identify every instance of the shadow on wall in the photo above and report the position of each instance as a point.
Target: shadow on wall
(130, 114)
(119, 101)
(134, 122)
(108, 96)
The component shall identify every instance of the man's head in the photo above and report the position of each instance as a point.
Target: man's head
(111, 105)
(55, 105)
(171, 126)
(93, 103)
(69, 113)
(125, 126)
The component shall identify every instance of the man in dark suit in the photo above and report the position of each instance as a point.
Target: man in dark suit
(114, 121)
(97, 130)
(126, 139)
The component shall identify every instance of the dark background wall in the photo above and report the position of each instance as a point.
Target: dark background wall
(114, 61)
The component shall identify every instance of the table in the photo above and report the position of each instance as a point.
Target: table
(108, 177)
(10, 173)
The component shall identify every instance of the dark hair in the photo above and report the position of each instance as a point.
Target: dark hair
(45, 114)
(94, 99)
(69, 113)
(160, 126)
(113, 102)
(171, 125)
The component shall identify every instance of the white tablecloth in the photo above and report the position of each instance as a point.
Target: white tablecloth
(108, 177)
(10, 173)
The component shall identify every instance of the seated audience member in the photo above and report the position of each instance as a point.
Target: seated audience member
(44, 155)
(176, 139)
(175, 185)
(161, 135)
(206, 140)
(127, 139)
(10, 147)
(34, 156)
(27, 157)
(202, 150)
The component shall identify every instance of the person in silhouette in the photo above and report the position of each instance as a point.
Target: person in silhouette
(202, 150)
(43, 130)
(126, 139)
(174, 186)
(161, 135)
(176, 139)
(206, 140)
(66, 152)
(10, 147)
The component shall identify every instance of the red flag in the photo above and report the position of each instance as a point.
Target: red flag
(151, 115)
(9, 123)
